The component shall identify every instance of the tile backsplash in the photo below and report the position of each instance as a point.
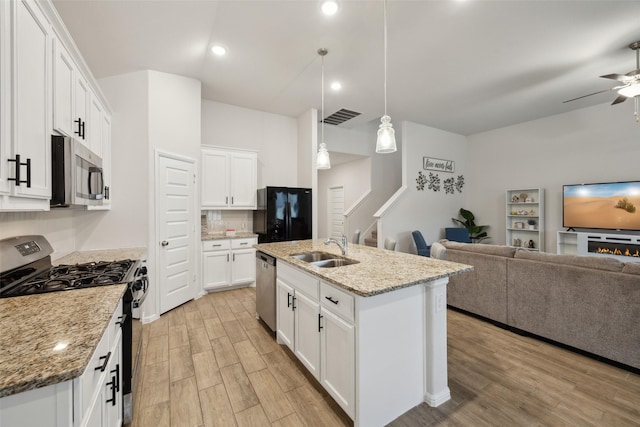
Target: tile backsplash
(217, 221)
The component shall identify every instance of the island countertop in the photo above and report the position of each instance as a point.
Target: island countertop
(378, 270)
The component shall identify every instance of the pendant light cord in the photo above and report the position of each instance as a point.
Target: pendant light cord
(322, 112)
(385, 57)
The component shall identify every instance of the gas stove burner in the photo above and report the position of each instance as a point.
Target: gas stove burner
(68, 277)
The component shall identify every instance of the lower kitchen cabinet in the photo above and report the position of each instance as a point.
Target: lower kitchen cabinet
(228, 262)
(315, 320)
(92, 400)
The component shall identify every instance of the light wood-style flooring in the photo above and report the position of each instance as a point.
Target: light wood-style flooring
(209, 362)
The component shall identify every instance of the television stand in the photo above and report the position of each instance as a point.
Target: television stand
(623, 247)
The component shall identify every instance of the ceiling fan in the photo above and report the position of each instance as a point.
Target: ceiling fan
(630, 87)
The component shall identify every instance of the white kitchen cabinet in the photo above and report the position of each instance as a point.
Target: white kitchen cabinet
(5, 98)
(337, 371)
(27, 83)
(64, 83)
(316, 321)
(285, 299)
(94, 125)
(228, 262)
(81, 110)
(229, 179)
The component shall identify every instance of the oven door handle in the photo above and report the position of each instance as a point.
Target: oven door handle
(121, 320)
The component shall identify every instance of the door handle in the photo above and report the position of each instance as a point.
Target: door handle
(164, 243)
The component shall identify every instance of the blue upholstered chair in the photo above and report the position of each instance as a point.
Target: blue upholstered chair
(457, 234)
(421, 245)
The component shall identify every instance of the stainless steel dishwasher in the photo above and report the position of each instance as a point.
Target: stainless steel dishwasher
(266, 289)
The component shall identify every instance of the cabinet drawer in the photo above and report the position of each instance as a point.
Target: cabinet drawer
(337, 301)
(115, 327)
(297, 279)
(216, 245)
(243, 243)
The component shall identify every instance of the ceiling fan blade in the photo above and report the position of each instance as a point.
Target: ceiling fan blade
(584, 96)
(619, 77)
(619, 99)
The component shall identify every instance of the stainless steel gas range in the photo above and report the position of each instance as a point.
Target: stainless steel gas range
(26, 269)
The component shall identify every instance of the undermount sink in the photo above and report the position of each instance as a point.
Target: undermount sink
(324, 259)
(336, 262)
(314, 256)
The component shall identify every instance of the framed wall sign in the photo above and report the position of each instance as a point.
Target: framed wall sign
(440, 165)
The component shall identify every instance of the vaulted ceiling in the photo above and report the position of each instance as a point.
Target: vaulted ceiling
(461, 66)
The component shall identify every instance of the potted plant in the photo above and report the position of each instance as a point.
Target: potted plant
(532, 223)
(476, 232)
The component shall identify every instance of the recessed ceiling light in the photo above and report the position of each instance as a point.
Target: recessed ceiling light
(336, 85)
(219, 50)
(329, 7)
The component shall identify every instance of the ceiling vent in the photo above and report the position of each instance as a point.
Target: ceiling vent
(340, 116)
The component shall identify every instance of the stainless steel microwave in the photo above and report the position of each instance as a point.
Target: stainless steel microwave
(76, 174)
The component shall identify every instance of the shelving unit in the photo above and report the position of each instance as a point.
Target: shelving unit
(567, 243)
(523, 206)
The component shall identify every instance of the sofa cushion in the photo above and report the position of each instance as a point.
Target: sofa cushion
(598, 263)
(631, 268)
(438, 250)
(498, 250)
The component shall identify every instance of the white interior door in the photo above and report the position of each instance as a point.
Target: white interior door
(175, 196)
(336, 212)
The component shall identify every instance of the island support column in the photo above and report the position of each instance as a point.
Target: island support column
(436, 383)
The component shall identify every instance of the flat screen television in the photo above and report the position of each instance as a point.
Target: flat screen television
(609, 205)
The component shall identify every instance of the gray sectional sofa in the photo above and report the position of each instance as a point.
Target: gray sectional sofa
(585, 302)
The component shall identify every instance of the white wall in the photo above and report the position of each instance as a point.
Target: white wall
(354, 177)
(307, 149)
(273, 136)
(126, 224)
(595, 144)
(427, 210)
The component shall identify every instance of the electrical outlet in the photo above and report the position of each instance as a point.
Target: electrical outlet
(440, 302)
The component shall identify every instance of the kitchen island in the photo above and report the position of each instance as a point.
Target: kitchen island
(372, 332)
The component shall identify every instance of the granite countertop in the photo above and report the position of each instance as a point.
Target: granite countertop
(101, 255)
(32, 326)
(378, 271)
(221, 236)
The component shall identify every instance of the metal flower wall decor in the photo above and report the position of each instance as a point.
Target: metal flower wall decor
(432, 182)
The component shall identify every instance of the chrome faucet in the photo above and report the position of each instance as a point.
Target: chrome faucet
(341, 244)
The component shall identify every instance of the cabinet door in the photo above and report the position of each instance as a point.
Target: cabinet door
(94, 126)
(112, 391)
(307, 333)
(285, 301)
(215, 267)
(337, 373)
(215, 179)
(32, 101)
(81, 109)
(243, 267)
(243, 180)
(64, 75)
(5, 96)
(106, 160)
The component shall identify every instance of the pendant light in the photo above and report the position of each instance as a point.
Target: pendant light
(322, 160)
(386, 142)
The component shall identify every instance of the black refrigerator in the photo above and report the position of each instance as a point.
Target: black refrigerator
(283, 214)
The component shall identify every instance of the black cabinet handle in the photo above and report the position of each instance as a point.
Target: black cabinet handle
(335, 301)
(82, 130)
(121, 320)
(79, 131)
(104, 363)
(107, 193)
(288, 300)
(293, 303)
(320, 316)
(19, 165)
(112, 383)
(117, 377)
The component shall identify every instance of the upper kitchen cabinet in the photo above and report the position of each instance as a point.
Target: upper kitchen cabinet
(26, 39)
(45, 88)
(229, 178)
